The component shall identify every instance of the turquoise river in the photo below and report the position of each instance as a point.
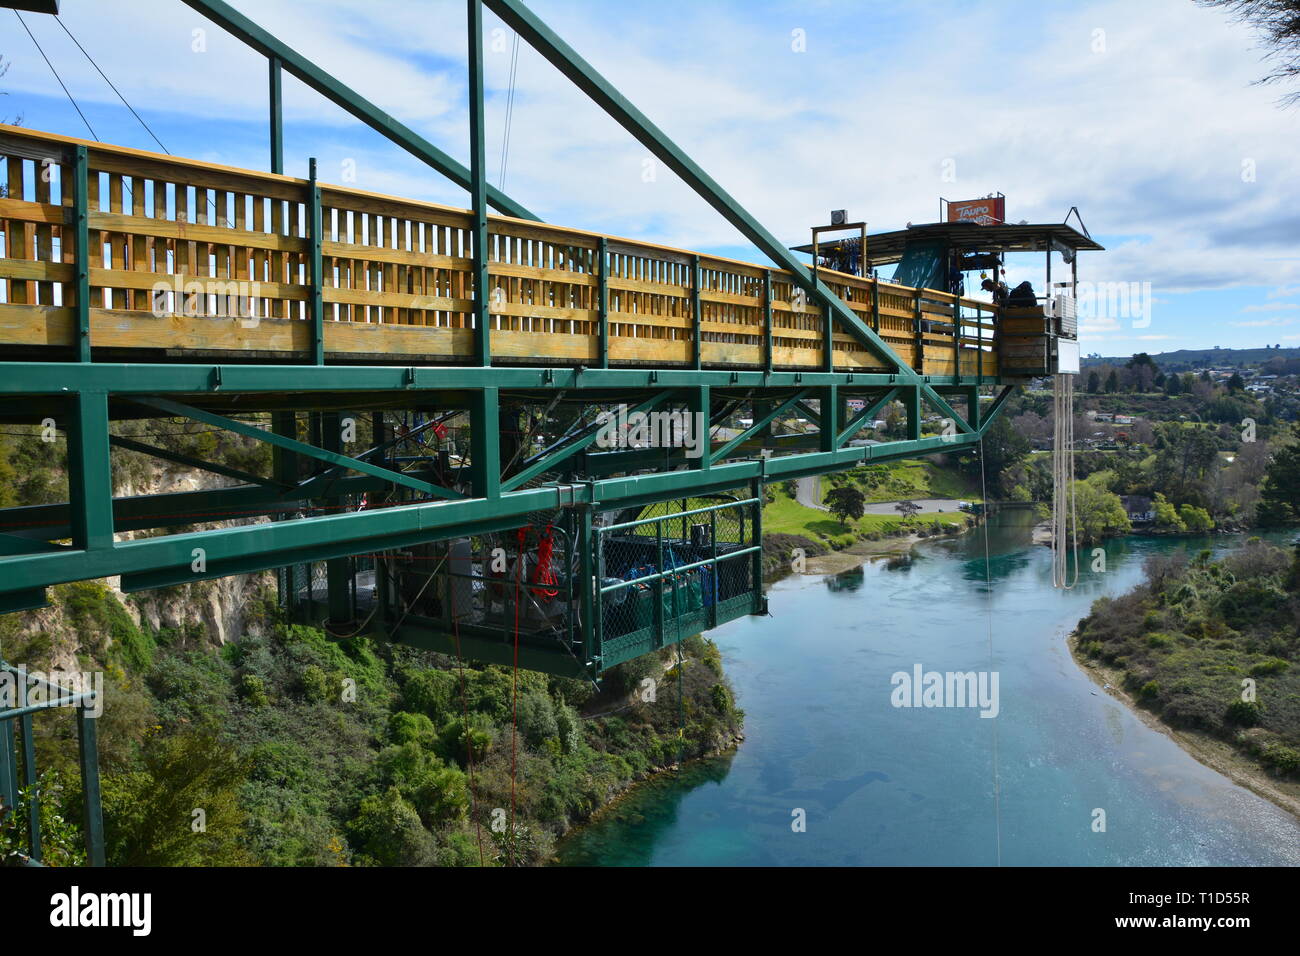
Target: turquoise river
(882, 785)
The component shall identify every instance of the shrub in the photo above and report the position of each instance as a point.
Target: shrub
(1244, 713)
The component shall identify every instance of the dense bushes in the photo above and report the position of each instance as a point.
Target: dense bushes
(1210, 645)
(288, 748)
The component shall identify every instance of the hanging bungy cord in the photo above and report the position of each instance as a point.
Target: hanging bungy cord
(1064, 516)
(469, 738)
(520, 535)
(988, 607)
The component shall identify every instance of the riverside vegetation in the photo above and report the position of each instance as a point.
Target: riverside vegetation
(300, 749)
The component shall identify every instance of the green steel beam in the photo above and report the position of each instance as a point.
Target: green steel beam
(478, 187)
(276, 104)
(700, 407)
(602, 293)
(92, 812)
(697, 316)
(31, 599)
(52, 522)
(12, 544)
(301, 448)
(757, 427)
(912, 405)
(242, 28)
(30, 379)
(311, 487)
(485, 443)
(81, 248)
(431, 634)
(258, 547)
(315, 267)
(812, 414)
(31, 782)
(174, 456)
(90, 473)
(8, 766)
(867, 414)
(937, 402)
(832, 412)
(578, 444)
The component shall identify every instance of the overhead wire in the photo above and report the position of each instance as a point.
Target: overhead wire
(93, 134)
(60, 22)
(510, 109)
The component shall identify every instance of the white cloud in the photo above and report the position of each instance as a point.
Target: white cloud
(1148, 138)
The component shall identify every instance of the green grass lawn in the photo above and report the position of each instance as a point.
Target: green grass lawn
(908, 478)
(787, 516)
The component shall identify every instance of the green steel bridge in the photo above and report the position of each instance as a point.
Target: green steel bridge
(439, 387)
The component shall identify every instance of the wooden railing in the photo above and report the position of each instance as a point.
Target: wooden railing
(190, 257)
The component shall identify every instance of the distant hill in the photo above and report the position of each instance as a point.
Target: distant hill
(1184, 359)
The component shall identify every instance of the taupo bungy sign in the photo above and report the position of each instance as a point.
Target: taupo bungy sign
(984, 211)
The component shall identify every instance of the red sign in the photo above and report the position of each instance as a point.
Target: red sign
(984, 211)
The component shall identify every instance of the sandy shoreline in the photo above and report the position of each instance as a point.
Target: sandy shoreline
(1214, 753)
(851, 557)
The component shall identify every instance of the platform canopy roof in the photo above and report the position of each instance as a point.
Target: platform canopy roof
(886, 247)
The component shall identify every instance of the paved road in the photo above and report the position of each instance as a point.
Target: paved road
(808, 492)
(928, 506)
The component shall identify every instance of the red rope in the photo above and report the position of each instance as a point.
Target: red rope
(521, 534)
(542, 571)
(469, 740)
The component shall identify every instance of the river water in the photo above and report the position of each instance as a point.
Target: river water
(877, 784)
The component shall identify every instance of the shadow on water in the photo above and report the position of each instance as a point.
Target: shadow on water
(628, 831)
(849, 580)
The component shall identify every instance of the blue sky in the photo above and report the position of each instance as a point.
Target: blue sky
(1144, 115)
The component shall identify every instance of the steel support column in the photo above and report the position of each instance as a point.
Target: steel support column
(81, 251)
(92, 813)
(485, 443)
(478, 186)
(315, 268)
(276, 104)
(90, 479)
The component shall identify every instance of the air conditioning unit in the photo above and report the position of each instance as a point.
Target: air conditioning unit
(1064, 309)
(839, 217)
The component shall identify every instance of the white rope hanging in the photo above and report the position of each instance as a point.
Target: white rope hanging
(1064, 517)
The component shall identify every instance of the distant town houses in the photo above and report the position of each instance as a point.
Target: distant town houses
(1139, 508)
(1113, 417)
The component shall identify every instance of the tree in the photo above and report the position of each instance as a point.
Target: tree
(1167, 518)
(1278, 21)
(907, 509)
(1094, 382)
(1196, 519)
(11, 121)
(1004, 446)
(1112, 382)
(846, 502)
(1280, 497)
(1099, 512)
(1236, 383)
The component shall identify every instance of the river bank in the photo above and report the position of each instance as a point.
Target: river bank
(1219, 755)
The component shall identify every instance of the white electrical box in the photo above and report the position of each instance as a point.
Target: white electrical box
(1067, 357)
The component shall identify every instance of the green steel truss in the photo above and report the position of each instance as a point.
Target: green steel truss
(495, 484)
